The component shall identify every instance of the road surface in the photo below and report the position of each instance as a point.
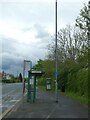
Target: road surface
(11, 94)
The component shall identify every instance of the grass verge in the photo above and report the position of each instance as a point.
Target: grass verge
(42, 88)
(75, 96)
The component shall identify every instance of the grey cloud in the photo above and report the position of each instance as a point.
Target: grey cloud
(43, 35)
(9, 63)
(14, 64)
(0, 45)
(8, 44)
(14, 54)
(11, 58)
(8, 60)
(40, 12)
(13, 47)
(41, 32)
(28, 13)
(26, 29)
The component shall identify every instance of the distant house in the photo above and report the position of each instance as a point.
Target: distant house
(0, 76)
(3, 75)
(8, 76)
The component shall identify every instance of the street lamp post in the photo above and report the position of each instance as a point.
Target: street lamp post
(56, 73)
(89, 42)
(89, 23)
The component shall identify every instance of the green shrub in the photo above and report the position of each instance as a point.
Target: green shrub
(82, 82)
(41, 81)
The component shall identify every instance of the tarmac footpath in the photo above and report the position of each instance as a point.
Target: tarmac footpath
(46, 107)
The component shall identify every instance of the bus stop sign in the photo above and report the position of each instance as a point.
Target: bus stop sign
(56, 74)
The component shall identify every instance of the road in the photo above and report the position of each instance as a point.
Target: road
(11, 94)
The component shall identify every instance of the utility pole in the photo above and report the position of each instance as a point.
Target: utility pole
(89, 23)
(89, 10)
(89, 32)
(56, 73)
(89, 43)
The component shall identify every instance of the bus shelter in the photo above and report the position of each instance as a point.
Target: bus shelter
(32, 74)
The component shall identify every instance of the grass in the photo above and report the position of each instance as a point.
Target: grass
(42, 88)
(75, 96)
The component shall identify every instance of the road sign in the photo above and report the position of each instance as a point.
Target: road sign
(36, 71)
(56, 74)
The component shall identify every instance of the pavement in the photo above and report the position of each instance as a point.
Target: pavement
(46, 107)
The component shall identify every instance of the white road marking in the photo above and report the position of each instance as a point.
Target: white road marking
(13, 100)
(7, 93)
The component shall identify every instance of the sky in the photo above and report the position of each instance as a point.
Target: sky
(27, 27)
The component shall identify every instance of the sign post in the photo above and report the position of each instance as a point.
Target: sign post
(34, 88)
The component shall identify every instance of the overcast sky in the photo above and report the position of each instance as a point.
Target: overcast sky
(26, 27)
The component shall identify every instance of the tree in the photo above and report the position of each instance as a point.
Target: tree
(71, 42)
(20, 77)
(82, 19)
(82, 23)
